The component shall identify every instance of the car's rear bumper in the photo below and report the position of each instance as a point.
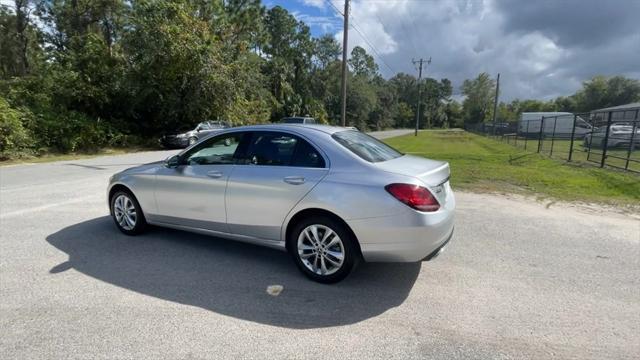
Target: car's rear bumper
(409, 237)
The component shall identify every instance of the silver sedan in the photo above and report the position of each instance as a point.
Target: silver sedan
(330, 196)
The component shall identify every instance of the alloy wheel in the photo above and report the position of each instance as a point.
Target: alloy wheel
(125, 212)
(320, 249)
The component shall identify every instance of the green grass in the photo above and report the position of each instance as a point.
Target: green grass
(615, 156)
(482, 164)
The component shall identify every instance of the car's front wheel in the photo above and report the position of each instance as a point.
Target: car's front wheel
(127, 214)
(323, 249)
(192, 140)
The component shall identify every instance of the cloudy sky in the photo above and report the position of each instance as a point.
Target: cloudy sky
(541, 48)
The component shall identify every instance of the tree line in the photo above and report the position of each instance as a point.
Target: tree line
(78, 75)
(596, 93)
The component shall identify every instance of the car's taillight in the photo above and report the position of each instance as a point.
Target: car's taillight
(415, 196)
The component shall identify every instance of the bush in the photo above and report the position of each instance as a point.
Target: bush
(14, 138)
(70, 131)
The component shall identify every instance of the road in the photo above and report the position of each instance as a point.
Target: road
(521, 279)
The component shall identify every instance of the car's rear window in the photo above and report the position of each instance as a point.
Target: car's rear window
(365, 146)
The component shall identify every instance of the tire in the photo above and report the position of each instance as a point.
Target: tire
(193, 140)
(227, 142)
(133, 224)
(339, 242)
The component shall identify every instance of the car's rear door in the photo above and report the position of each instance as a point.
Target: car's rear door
(193, 193)
(279, 170)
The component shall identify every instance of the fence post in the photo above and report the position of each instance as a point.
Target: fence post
(633, 133)
(540, 134)
(605, 143)
(593, 121)
(553, 135)
(526, 136)
(573, 133)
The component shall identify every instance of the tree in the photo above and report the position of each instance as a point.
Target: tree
(14, 138)
(361, 101)
(81, 74)
(290, 51)
(177, 77)
(386, 99)
(327, 50)
(453, 111)
(362, 64)
(403, 115)
(19, 41)
(601, 92)
(479, 94)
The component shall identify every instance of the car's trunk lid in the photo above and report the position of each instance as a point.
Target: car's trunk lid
(433, 173)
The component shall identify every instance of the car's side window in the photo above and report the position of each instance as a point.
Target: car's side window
(282, 149)
(306, 155)
(218, 150)
(271, 148)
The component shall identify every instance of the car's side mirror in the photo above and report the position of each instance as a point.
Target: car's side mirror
(172, 161)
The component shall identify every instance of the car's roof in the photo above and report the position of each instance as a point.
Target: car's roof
(299, 127)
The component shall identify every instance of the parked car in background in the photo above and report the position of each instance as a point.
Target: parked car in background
(187, 138)
(619, 136)
(329, 196)
(298, 120)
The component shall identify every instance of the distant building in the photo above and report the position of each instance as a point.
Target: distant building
(618, 113)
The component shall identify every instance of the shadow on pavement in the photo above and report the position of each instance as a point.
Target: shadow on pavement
(228, 277)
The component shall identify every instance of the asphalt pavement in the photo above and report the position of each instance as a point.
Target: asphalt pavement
(521, 279)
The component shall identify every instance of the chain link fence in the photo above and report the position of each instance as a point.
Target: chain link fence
(603, 138)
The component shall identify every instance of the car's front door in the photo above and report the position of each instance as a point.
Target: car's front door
(279, 170)
(193, 193)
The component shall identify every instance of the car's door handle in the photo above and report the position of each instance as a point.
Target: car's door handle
(214, 174)
(294, 180)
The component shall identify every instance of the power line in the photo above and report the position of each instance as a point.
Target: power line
(361, 33)
(404, 30)
(334, 7)
(373, 48)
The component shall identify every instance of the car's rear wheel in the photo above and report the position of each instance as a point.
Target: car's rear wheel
(323, 249)
(127, 214)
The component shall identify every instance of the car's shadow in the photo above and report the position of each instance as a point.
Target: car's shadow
(228, 277)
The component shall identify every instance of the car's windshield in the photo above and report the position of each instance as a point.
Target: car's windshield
(365, 146)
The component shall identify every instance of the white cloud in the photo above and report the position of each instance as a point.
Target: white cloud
(328, 24)
(466, 37)
(315, 3)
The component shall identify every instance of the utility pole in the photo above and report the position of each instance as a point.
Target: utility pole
(495, 105)
(420, 62)
(345, 38)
